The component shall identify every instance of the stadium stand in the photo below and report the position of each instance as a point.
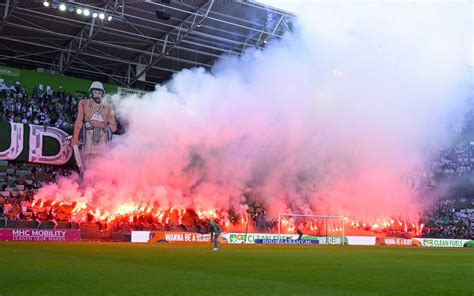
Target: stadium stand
(456, 160)
(45, 106)
(452, 219)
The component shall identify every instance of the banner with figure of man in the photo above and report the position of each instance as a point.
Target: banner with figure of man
(95, 123)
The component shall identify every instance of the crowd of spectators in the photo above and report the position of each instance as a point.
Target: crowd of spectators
(456, 160)
(20, 181)
(43, 107)
(452, 219)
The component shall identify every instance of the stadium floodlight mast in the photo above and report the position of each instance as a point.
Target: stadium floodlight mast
(326, 218)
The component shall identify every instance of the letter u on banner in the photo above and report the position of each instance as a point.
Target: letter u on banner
(16, 142)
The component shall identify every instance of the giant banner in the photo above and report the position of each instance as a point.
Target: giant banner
(34, 143)
(39, 235)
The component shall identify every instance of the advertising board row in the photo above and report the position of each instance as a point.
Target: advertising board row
(20, 234)
(252, 238)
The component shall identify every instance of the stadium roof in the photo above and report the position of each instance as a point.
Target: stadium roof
(135, 48)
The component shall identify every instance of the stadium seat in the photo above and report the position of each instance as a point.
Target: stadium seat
(23, 173)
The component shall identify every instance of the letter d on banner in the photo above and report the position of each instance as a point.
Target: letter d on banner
(37, 134)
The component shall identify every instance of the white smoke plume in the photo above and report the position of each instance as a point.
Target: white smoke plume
(329, 120)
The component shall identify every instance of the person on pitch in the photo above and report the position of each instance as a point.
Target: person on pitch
(95, 123)
(215, 232)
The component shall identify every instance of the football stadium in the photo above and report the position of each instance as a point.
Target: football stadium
(236, 147)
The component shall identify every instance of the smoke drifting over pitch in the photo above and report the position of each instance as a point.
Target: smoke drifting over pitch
(329, 120)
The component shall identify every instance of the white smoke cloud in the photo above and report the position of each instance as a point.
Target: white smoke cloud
(328, 120)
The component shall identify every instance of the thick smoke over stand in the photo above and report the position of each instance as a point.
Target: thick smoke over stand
(330, 120)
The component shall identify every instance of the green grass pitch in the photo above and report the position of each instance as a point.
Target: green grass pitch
(193, 269)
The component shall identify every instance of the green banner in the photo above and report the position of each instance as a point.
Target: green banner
(29, 79)
(9, 71)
